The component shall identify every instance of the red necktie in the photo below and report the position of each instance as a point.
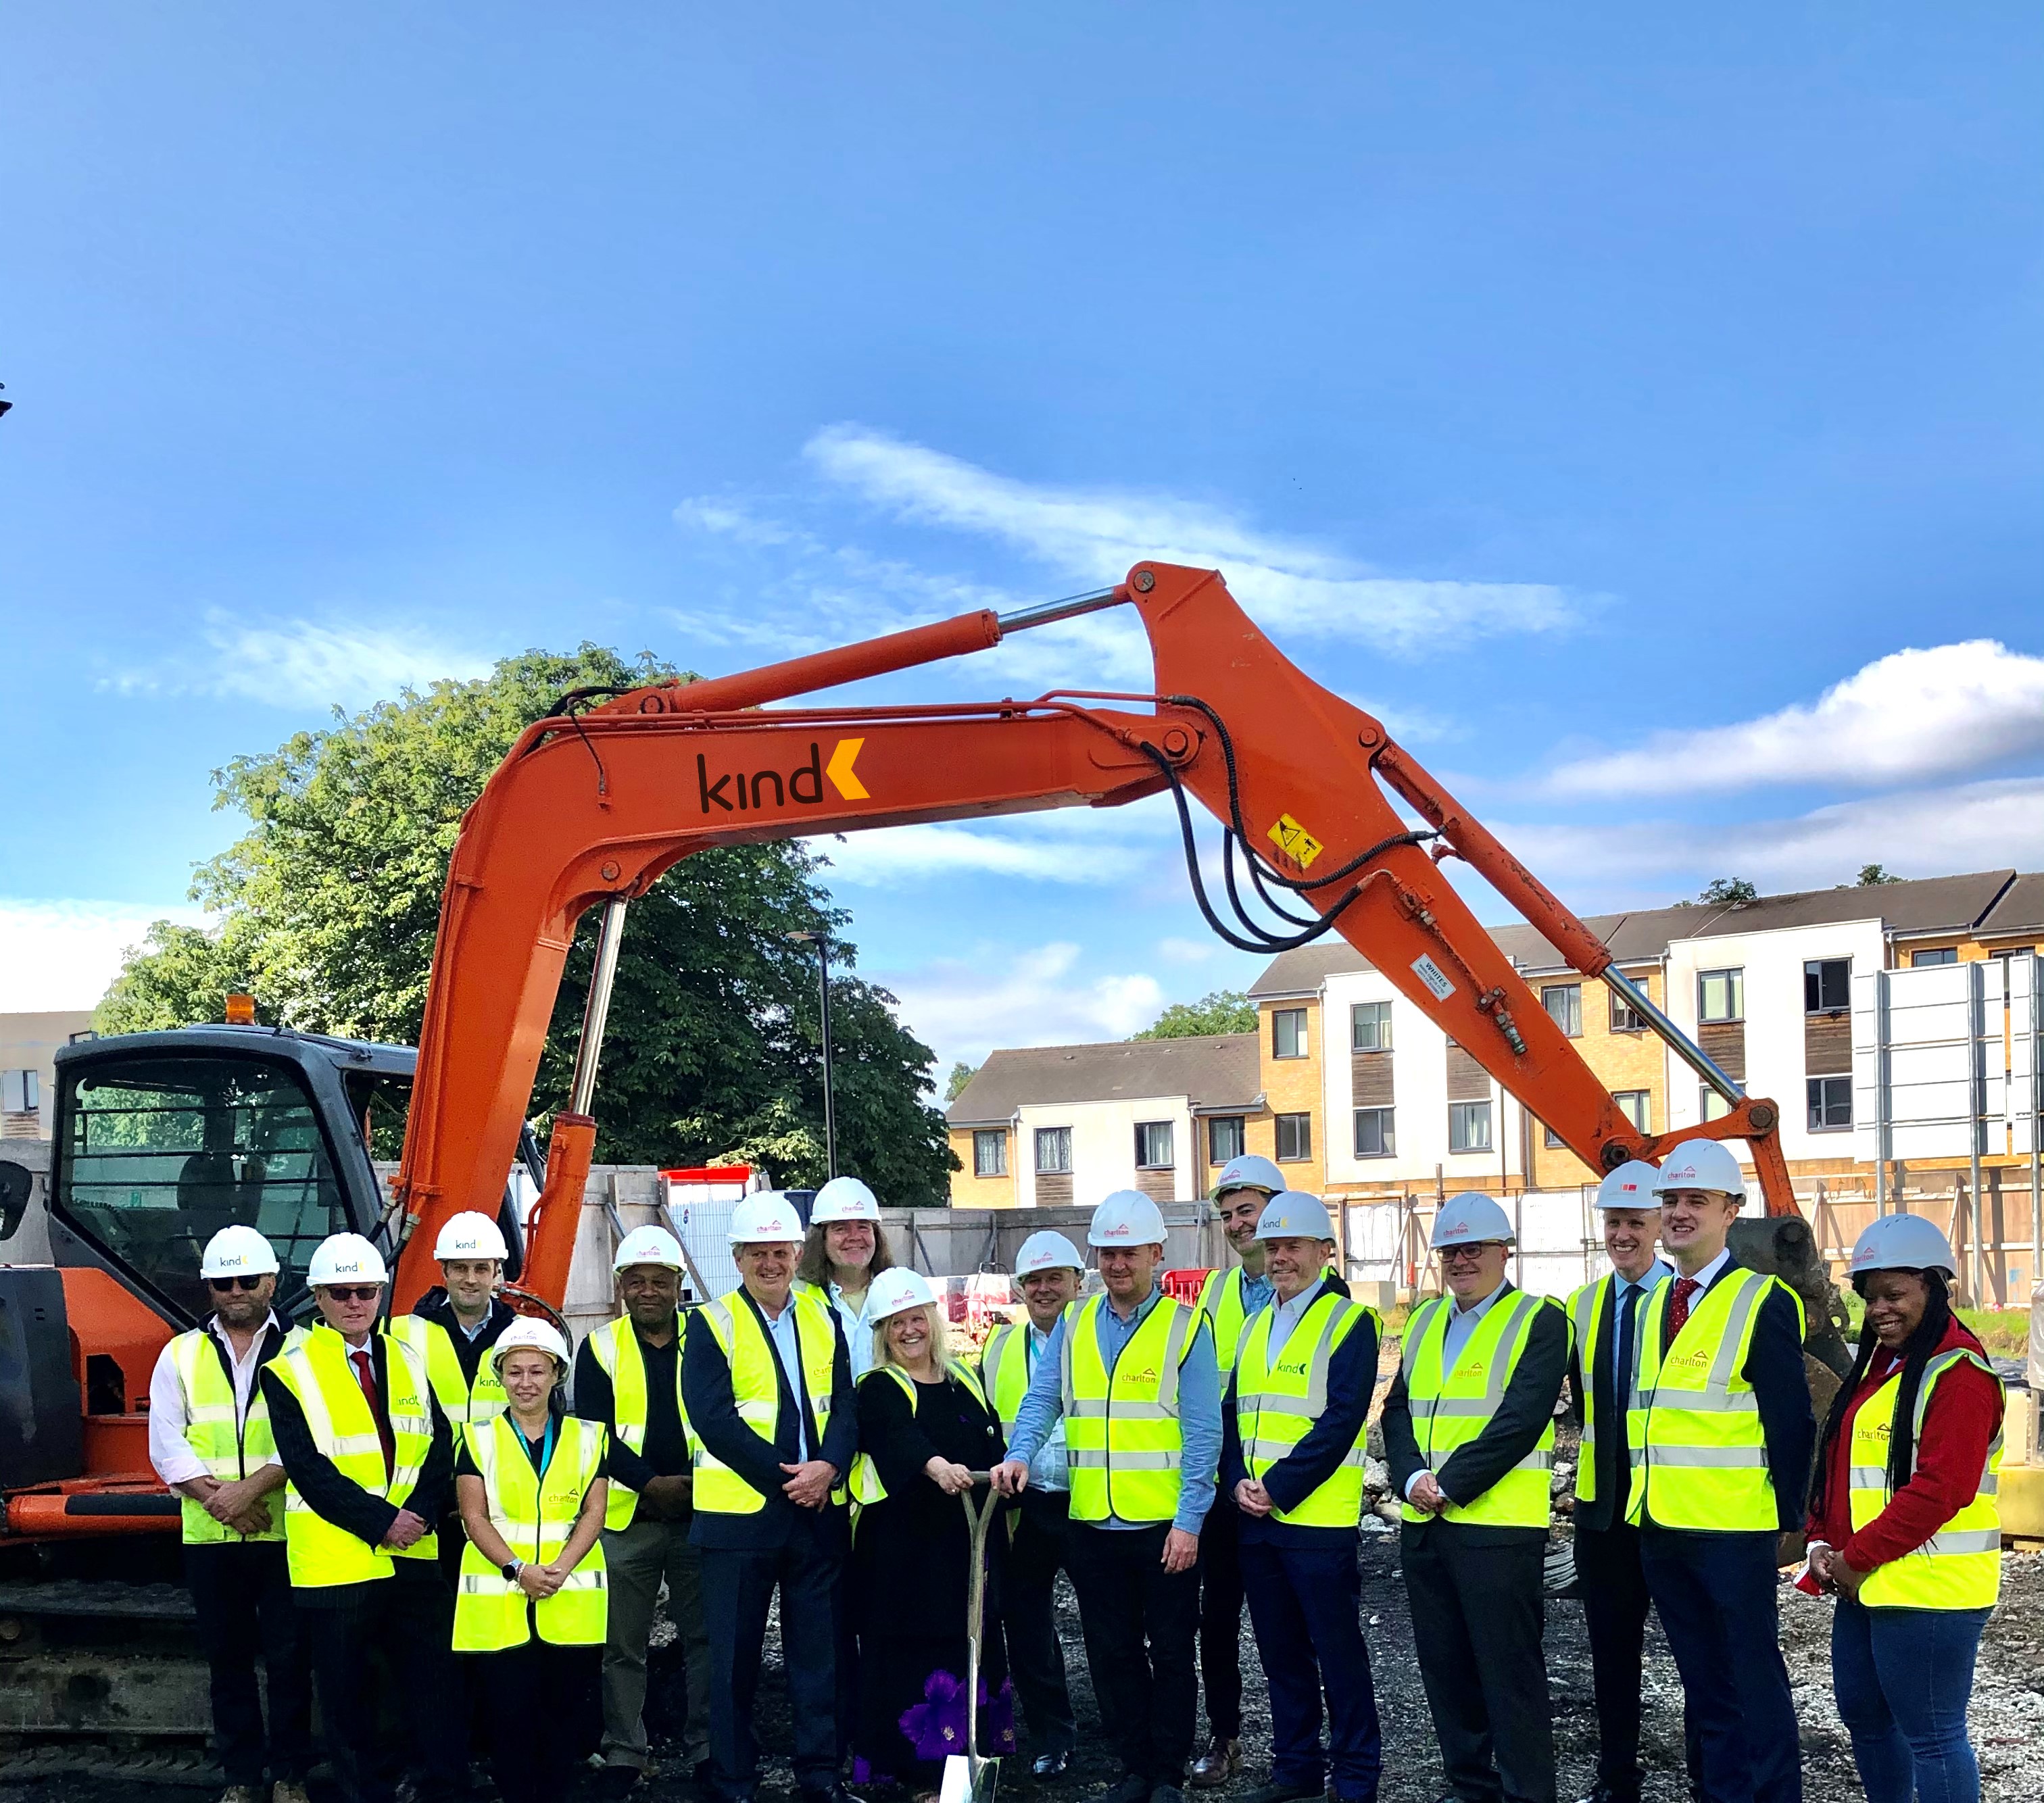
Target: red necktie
(365, 1373)
(1678, 1305)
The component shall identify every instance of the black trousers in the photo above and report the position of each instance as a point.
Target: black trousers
(1029, 1621)
(739, 1583)
(1613, 1587)
(1220, 1618)
(543, 1716)
(1476, 1623)
(1141, 1623)
(1306, 1603)
(407, 1620)
(241, 1594)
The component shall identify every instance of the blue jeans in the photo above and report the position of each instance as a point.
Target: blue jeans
(1903, 1677)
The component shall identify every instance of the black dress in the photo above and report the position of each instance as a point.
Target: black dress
(910, 1562)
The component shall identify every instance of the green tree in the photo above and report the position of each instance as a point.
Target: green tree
(1218, 1011)
(327, 906)
(961, 1074)
(1873, 876)
(1729, 892)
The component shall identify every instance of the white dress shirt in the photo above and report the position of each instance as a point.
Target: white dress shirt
(1461, 1323)
(788, 1349)
(1286, 1316)
(169, 1452)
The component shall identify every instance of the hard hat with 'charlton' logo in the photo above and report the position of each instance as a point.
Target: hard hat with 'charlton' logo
(1701, 1164)
(1471, 1219)
(1127, 1218)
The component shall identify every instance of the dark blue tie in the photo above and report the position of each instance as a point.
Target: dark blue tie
(1621, 1386)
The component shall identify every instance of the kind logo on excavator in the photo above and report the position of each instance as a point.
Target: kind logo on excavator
(735, 791)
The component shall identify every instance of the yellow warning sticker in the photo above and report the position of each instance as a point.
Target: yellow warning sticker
(1295, 841)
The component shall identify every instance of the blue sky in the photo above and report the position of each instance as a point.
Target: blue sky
(1640, 410)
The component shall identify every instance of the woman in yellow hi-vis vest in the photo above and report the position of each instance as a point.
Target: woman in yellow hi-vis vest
(1903, 1524)
(531, 1599)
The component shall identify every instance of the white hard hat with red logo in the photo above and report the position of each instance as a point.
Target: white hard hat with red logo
(1249, 1171)
(897, 1291)
(843, 1199)
(765, 1219)
(1629, 1186)
(1701, 1164)
(531, 1335)
(1903, 1242)
(649, 1245)
(1047, 1250)
(1127, 1218)
(1471, 1219)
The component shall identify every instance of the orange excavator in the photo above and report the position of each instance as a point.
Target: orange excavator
(162, 1138)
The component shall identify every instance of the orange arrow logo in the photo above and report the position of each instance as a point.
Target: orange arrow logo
(840, 771)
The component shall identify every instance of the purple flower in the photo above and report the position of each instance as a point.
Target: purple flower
(936, 1727)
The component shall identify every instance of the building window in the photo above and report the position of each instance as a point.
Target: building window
(1720, 995)
(1152, 1145)
(1711, 1107)
(1369, 1027)
(1937, 955)
(1564, 1003)
(1374, 1137)
(1830, 1104)
(1225, 1139)
(989, 1152)
(1295, 1138)
(1469, 1127)
(1637, 1107)
(1826, 985)
(20, 1091)
(1622, 1018)
(1550, 1139)
(1288, 1033)
(1054, 1151)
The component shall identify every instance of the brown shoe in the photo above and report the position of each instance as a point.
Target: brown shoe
(1219, 1763)
(288, 1790)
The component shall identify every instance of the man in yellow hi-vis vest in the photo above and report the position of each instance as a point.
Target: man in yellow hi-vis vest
(1048, 1270)
(1229, 1299)
(766, 1381)
(1131, 1376)
(209, 1441)
(1721, 1434)
(1469, 1433)
(628, 1377)
(369, 1461)
(1291, 1466)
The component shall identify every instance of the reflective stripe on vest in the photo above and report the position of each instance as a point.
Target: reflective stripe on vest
(1699, 1452)
(534, 1517)
(1451, 1409)
(616, 1347)
(1004, 1370)
(1275, 1407)
(319, 1373)
(1960, 1566)
(1585, 1323)
(866, 1487)
(1123, 1441)
(228, 1453)
(755, 1389)
(1220, 1301)
(460, 1403)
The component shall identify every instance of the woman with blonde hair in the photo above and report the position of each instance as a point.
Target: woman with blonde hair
(845, 1249)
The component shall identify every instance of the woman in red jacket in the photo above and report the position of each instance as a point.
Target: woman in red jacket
(1903, 1522)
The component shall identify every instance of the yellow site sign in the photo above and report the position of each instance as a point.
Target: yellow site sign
(1295, 841)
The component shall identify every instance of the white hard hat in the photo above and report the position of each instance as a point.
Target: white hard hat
(649, 1245)
(1047, 1250)
(470, 1235)
(843, 1199)
(1471, 1218)
(766, 1218)
(238, 1251)
(539, 1336)
(1248, 1172)
(1701, 1164)
(1127, 1218)
(346, 1258)
(1903, 1242)
(1629, 1186)
(1292, 1214)
(895, 1291)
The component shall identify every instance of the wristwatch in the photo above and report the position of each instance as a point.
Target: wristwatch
(511, 1568)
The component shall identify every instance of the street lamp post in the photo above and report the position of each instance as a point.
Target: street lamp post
(822, 941)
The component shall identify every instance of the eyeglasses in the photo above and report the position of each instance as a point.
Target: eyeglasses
(1454, 1254)
(225, 1284)
(354, 1292)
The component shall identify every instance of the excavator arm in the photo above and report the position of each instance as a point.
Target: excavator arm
(590, 806)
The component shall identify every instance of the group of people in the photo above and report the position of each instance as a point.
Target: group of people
(417, 1496)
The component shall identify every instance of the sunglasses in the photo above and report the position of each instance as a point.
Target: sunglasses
(224, 1284)
(354, 1292)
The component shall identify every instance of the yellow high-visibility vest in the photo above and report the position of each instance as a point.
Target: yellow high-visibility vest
(1450, 1408)
(317, 1371)
(1699, 1452)
(230, 1452)
(755, 1388)
(1004, 1368)
(616, 1346)
(460, 1401)
(535, 1516)
(866, 1487)
(1220, 1301)
(1960, 1566)
(1276, 1405)
(1123, 1438)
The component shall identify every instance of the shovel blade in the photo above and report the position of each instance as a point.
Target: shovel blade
(969, 1780)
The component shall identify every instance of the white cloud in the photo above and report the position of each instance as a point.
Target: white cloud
(964, 1007)
(1095, 536)
(1911, 716)
(60, 955)
(299, 662)
(1186, 951)
(894, 857)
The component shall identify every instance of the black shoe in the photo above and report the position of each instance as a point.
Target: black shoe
(1276, 1793)
(1047, 1767)
(1167, 1794)
(1130, 1789)
(614, 1782)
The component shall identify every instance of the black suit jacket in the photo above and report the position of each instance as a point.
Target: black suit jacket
(713, 1416)
(1606, 1509)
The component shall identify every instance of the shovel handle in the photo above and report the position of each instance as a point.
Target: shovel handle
(977, 1518)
